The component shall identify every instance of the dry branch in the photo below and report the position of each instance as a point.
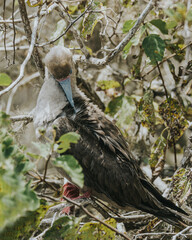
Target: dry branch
(29, 54)
(28, 32)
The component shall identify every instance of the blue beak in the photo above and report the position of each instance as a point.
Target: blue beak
(66, 86)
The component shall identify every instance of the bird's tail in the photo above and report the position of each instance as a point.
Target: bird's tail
(164, 208)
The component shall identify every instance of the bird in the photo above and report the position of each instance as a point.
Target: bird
(110, 170)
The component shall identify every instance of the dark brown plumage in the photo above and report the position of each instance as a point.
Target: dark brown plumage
(110, 169)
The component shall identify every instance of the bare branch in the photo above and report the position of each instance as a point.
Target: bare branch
(181, 233)
(29, 54)
(28, 32)
(22, 118)
(14, 31)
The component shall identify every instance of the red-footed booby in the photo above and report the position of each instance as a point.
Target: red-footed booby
(110, 170)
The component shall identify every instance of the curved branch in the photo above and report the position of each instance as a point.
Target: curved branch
(23, 65)
(28, 32)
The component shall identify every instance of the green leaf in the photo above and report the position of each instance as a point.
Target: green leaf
(65, 141)
(107, 84)
(128, 25)
(72, 168)
(171, 24)
(160, 24)
(147, 111)
(94, 230)
(123, 108)
(154, 48)
(34, 3)
(63, 228)
(26, 225)
(114, 105)
(126, 49)
(5, 80)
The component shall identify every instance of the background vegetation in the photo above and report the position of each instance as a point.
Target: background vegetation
(133, 59)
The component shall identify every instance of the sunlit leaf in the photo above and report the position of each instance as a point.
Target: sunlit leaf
(5, 80)
(134, 41)
(128, 25)
(65, 141)
(94, 230)
(160, 24)
(107, 84)
(34, 3)
(154, 48)
(147, 111)
(126, 49)
(72, 168)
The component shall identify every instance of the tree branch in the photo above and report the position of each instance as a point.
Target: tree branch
(27, 28)
(102, 62)
(94, 217)
(21, 118)
(23, 65)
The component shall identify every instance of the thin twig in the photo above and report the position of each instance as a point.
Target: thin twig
(21, 118)
(14, 32)
(94, 217)
(67, 29)
(23, 65)
(181, 233)
(67, 18)
(163, 81)
(5, 28)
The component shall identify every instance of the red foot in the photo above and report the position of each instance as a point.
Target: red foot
(72, 192)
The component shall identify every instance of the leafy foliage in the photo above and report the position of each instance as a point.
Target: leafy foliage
(26, 225)
(68, 228)
(107, 84)
(16, 196)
